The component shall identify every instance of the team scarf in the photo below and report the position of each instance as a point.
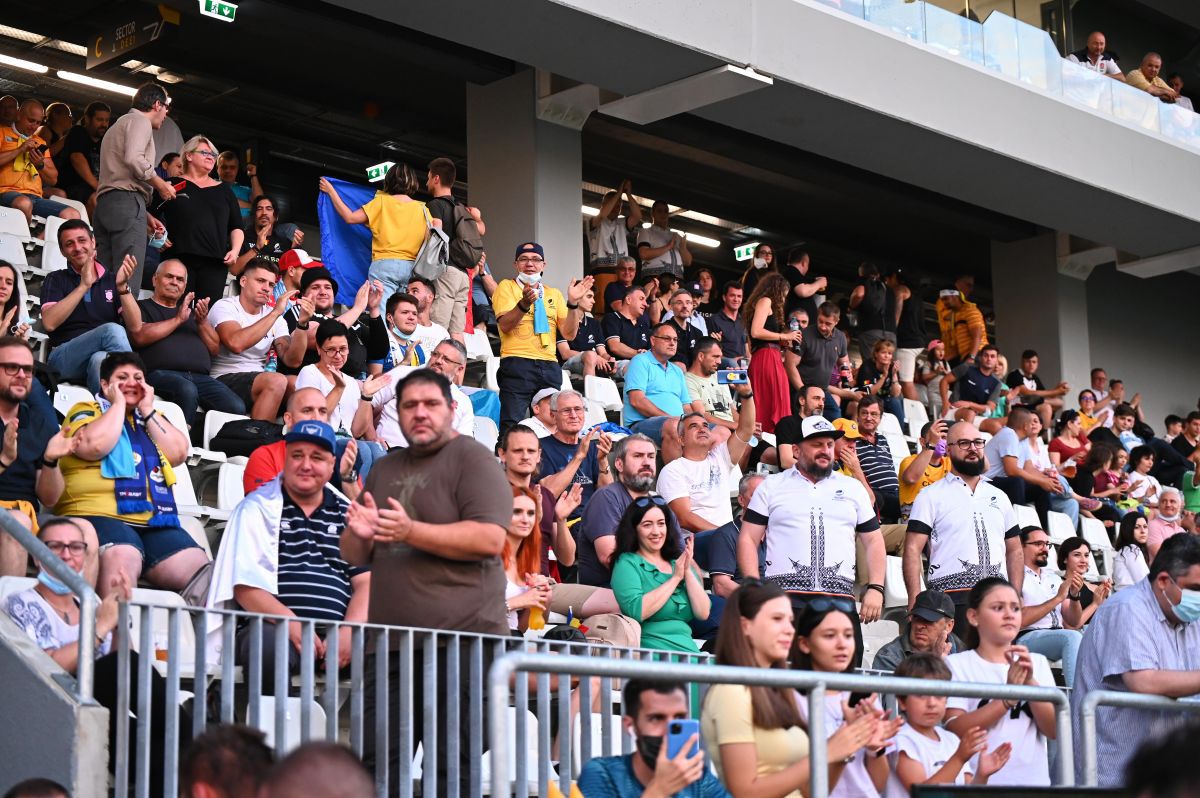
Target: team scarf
(142, 476)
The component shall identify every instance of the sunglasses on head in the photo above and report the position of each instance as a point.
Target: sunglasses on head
(646, 501)
(827, 603)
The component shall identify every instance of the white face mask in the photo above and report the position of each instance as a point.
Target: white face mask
(760, 263)
(530, 279)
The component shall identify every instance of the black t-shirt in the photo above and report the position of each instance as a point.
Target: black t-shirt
(633, 335)
(910, 330)
(34, 431)
(809, 304)
(1181, 445)
(443, 208)
(589, 336)
(1015, 378)
(273, 251)
(868, 373)
(79, 141)
(367, 341)
(199, 220)
(873, 310)
(689, 336)
(182, 350)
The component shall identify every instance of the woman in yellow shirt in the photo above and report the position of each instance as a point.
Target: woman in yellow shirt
(399, 226)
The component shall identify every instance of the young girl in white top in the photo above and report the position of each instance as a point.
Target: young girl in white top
(1131, 563)
(994, 614)
(924, 752)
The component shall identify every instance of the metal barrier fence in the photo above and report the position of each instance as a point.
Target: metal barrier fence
(1113, 698)
(508, 668)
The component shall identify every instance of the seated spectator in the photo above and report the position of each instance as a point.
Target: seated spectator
(927, 466)
(1169, 463)
(176, 341)
(292, 266)
(520, 452)
(930, 631)
(252, 334)
(648, 709)
(263, 240)
(1096, 501)
(281, 557)
(696, 484)
(633, 460)
(266, 462)
(366, 331)
(428, 334)
(229, 760)
(726, 326)
(1142, 486)
(931, 367)
(82, 306)
(544, 420)
(625, 328)
(875, 458)
(654, 579)
(614, 289)
(823, 353)
(1132, 561)
(709, 397)
(1175, 81)
(25, 164)
(1172, 427)
(348, 402)
(525, 588)
(1052, 617)
(585, 353)
(716, 552)
(1187, 442)
(656, 389)
(403, 348)
(661, 248)
(1009, 468)
(880, 377)
(684, 312)
(961, 322)
(119, 478)
(1166, 522)
(608, 230)
(54, 131)
(1070, 444)
(1146, 78)
(1031, 393)
(1037, 457)
(571, 457)
(1096, 58)
(763, 316)
(977, 391)
(449, 358)
(79, 175)
(532, 317)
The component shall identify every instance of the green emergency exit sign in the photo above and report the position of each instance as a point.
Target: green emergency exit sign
(745, 251)
(218, 9)
(378, 171)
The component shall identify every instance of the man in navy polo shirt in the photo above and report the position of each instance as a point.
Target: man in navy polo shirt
(977, 389)
(82, 306)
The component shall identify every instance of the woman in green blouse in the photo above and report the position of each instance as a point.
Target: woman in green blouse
(654, 579)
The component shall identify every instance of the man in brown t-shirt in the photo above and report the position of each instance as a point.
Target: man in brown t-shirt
(431, 522)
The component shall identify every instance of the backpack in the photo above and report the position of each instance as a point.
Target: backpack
(613, 629)
(433, 257)
(240, 438)
(466, 245)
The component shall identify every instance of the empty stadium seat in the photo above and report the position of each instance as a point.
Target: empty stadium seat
(67, 396)
(189, 504)
(1027, 516)
(616, 732)
(174, 414)
(895, 594)
(486, 432)
(229, 485)
(1094, 532)
(214, 420)
(916, 415)
(77, 205)
(13, 225)
(52, 257)
(566, 381)
(898, 447)
(875, 636)
(890, 424)
(605, 391)
(489, 374)
(478, 345)
(1060, 527)
(292, 714)
(195, 528)
(13, 251)
(594, 413)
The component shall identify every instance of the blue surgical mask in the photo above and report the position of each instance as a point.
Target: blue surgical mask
(396, 332)
(1188, 608)
(53, 584)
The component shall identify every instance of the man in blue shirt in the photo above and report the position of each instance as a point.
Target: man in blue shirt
(656, 391)
(650, 707)
(569, 458)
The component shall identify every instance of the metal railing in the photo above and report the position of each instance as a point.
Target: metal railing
(88, 601)
(510, 666)
(1114, 698)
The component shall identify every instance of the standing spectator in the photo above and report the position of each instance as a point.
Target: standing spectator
(977, 390)
(717, 552)
(625, 328)
(803, 285)
(823, 355)
(399, 226)
(961, 322)
(249, 330)
(763, 317)
(762, 264)
(727, 327)
(930, 631)
(880, 377)
(79, 176)
(1097, 58)
(994, 612)
(427, 333)
(1146, 78)
(367, 334)
(228, 167)
(1132, 561)
(54, 131)
(586, 354)
(654, 579)
(919, 471)
(403, 347)
(1051, 615)
(431, 523)
(1144, 640)
(263, 239)
(876, 307)
(932, 367)
(911, 337)
(967, 523)
(451, 306)
(614, 292)
(1031, 393)
(543, 421)
(570, 457)
(82, 307)
(660, 248)
(449, 358)
(656, 392)
(608, 230)
(1009, 468)
(810, 516)
(532, 317)
(203, 222)
(26, 168)
(177, 342)
(875, 458)
(170, 165)
(128, 180)
(680, 318)
(1166, 522)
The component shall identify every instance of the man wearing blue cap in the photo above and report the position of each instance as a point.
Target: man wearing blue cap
(532, 317)
(281, 555)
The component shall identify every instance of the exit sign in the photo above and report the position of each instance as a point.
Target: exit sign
(378, 171)
(745, 251)
(218, 9)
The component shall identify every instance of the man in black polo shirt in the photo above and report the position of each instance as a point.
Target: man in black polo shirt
(626, 331)
(726, 326)
(177, 342)
(30, 446)
(875, 458)
(689, 334)
(82, 306)
(263, 240)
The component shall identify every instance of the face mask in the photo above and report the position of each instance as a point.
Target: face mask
(530, 279)
(53, 584)
(760, 263)
(157, 241)
(1188, 608)
(396, 332)
(648, 748)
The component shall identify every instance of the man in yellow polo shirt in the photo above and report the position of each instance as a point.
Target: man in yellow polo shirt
(920, 470)
(532, 317)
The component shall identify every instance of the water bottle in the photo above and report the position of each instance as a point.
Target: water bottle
(272, 361)
(794, 326)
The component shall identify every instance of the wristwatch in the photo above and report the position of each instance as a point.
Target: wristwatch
(303, 325)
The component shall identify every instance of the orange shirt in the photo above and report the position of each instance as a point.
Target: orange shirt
(20, 174)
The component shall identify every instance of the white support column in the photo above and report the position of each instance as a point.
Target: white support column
(526, 176)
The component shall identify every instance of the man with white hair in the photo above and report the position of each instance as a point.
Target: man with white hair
(1166, 523)
(570, 457)
(449, 358)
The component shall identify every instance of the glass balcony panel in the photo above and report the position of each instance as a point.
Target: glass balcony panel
(1039, 59)
(854, 8)
(1087, 87)
(1000, 44)
(905, 17)
(953, 34)
(1179, 124)
(1135, 106)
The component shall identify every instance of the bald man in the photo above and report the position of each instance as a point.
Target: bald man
(24, 162)
(1146, 78)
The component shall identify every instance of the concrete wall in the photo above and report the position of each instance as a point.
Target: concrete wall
(46, 733)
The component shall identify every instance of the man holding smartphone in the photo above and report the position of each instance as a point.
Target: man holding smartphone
(24, 161)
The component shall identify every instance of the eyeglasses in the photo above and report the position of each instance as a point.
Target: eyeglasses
(967, 445)
(440, 356)
(647, 501)
(531, 259)
(668, 338)
(205, 153)
(76, 547)
(12, 368)
(336, 350)
(1038, 544)
(571, 411)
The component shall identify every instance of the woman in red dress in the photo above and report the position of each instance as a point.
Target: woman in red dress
(768, 334)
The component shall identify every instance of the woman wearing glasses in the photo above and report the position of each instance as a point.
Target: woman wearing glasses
(203, 221)
(757, 735)
(654, 579)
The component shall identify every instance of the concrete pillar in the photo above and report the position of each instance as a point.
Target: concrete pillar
(526, 176)
(1042, 306)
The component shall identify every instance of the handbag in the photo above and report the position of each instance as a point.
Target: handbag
(434, 255)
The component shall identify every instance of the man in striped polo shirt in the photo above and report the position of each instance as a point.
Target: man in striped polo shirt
(875, 457)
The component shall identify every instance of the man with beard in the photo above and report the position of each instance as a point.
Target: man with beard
(264, 240)
(427, 333)
(366, 332)
(814, 516)
(969, 526)
(1051, 615)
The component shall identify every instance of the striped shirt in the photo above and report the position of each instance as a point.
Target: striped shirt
(877, 464)
(314, 580)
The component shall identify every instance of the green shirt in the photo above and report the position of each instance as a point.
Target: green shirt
(669, 629)
(1191, 492)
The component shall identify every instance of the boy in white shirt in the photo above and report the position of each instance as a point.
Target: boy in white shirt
(926, 753)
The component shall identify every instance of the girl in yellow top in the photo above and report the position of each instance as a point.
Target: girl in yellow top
(756, 735)
(399, 226)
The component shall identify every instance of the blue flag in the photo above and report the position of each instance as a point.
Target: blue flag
(345, 248)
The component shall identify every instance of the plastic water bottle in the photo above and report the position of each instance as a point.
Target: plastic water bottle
(272, 361)
(794, 326)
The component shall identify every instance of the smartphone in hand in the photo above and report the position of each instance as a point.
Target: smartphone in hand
(678, 733)
(732, 377)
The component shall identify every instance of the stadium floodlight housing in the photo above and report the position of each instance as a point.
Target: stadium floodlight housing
(21, 63)
(96, 83)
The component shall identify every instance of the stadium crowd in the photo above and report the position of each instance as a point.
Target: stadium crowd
(744, 502)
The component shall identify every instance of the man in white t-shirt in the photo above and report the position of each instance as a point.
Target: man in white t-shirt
(696, 485)
(661, 249)
(449, 358)
(249, 328)
(427, 334)
(608, 231)
(1051, 614)
(1096, 58)
(968, 525)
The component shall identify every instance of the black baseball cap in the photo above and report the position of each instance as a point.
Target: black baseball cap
(932, 605)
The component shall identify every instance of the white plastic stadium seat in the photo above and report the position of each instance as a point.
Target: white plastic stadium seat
(214, 420)
(594, 413)
(489, 373)
(67, 396)
(76, 204)
(1027, 516)
(13, 251)
(566, 381)
(174, 414)
(229, 485)
(1094, 532)
(14, 584)
(875, 636)
(188, 504)
(478, 345)
(898, 447)
(1060, 527)
(292, 714)
(890, 424)
(605, 391)
(895, 594)
(12, 223)
(52, 257)
(486, 432)
(917, 417)
(616, 734)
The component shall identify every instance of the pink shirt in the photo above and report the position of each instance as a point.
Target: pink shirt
(1158, 530)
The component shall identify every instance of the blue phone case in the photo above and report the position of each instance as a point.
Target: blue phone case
(678, 732)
